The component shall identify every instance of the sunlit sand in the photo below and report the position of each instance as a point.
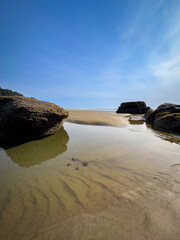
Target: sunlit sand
(101, 118)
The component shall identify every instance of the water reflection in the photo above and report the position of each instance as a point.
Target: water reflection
(36, 152)
(56, 201)
(170, 137)
(136, 119)
(167, 136)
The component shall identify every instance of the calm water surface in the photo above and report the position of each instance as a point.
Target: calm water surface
(73, 184)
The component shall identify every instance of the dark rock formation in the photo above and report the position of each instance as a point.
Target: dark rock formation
(149, 111)
(23, 119)
(133, 107)
(165, 117)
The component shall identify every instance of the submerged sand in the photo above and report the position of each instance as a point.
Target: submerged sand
(149, 212)
(129, 189)
(99, 118)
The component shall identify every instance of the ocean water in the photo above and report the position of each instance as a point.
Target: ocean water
(92, 182)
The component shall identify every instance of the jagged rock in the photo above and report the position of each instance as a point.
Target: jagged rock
(133, 107)
(165, 117)
(23, 119)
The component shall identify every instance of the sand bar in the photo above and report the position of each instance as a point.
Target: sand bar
(99, 118)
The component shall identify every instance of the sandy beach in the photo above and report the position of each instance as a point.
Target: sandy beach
(98, 118)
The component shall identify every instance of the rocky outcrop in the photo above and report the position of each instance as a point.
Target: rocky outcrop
(23, 119)
(165, 117)
(133, 107)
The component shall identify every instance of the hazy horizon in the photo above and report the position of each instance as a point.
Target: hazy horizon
(91, 54)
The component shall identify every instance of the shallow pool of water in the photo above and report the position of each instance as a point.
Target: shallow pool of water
(54, 187)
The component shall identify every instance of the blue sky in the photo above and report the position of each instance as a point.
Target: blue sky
(91, 54)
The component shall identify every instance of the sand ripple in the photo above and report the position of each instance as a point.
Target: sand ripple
(61, 211)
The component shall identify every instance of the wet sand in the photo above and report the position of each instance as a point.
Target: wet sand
(98, 118)
(149, 212)
(129, 189)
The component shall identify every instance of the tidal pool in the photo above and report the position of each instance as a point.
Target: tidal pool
(92, 182)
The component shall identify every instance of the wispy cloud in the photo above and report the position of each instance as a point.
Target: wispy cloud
(126, 52)
(168, 72)
(148, 55)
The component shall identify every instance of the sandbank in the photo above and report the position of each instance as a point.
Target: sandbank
(100, 118)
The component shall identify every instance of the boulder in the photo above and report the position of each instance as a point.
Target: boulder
(149, 111)
(165, 117)
(138, 107)
(23, 119)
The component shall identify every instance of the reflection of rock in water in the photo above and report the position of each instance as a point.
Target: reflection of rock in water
(171, 137)
(35, 152)
(136, 119)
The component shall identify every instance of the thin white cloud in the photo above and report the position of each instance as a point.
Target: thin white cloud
(158, 76)
(168, 72)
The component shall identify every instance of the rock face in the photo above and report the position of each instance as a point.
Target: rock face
(165, 117)
(133, 107)
(149, 111)
(23, 119)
